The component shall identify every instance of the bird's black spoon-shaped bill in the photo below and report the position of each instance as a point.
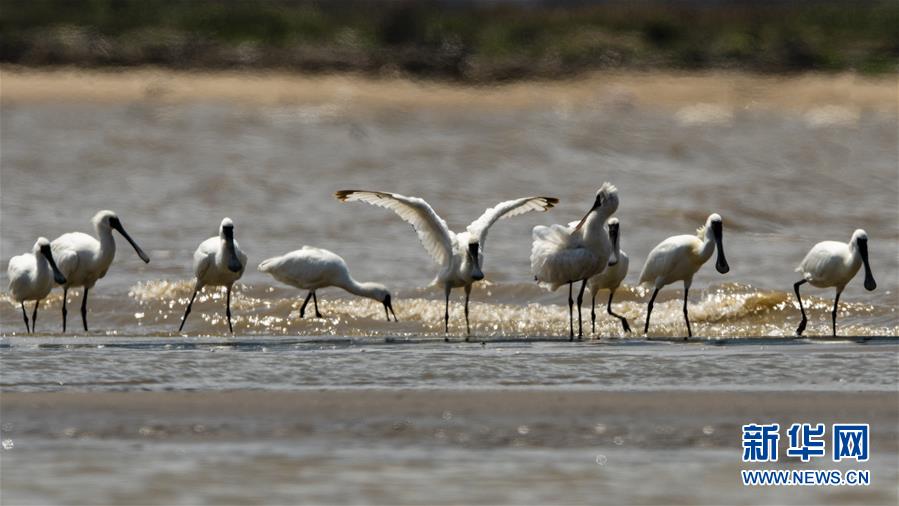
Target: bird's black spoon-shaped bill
(116, 224)
(721, 263)
(596, 204)
(870, 284)
(613, 237)
(57, 276)
(234, 264)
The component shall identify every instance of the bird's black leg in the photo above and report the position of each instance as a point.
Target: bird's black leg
(303, 307)
(687, 316)
(467, 327)
(34, 314)
(570, 313)
(446, 316)
(627, 328)
(802, 323)
(593, 315)
(65, 296)
(649, 310)
(833, 315)
(580, 300)
(84, 308)
(187, 311)
(25, 316)
(228, 309)
(315, 302)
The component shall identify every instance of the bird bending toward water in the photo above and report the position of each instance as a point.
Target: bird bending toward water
(565, 255)
(459, 255)
(834, 264)
(678, 258)
(31, 277)
(610, 278)
(313, 268)
(83, 259)
(218, 261)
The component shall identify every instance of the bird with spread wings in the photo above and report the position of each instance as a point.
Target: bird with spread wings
(459, 255)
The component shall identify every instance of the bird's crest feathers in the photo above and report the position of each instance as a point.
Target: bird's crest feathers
(607, 190)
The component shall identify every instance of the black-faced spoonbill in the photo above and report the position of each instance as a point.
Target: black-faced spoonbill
(218, 261)
(610, 278)
(313, 268)
(832, 263)
(460, 255)
(30, 277)
(678, 258)
(83, 259)
(563, 255)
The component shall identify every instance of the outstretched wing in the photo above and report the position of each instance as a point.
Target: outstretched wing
(478, 228)
(432, 230)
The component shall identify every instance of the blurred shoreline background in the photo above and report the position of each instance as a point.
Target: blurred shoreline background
(462, 41)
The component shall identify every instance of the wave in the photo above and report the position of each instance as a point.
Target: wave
(496, 310)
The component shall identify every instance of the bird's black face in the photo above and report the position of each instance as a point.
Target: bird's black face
(48, 254)
(870, 284)
(389, 306)
(115, 224)
(476, 273)
(718, 232)
(613, 237)
(234, 264)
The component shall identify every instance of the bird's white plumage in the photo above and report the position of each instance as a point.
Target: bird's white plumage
(834, 264)
(432, 231)
(674, 259)
(307, 268)
(564, 254)
(311, 268)
(611, 277)
(479, 227)
(83, 259)
(454, 253)
(447, 248)
(678, 258)
(831, 263)
(559, 256)
(211, 263)
(30, 275)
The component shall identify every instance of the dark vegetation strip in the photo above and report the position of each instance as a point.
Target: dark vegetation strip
(456, 40)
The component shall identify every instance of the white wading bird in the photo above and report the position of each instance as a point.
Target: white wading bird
(610, 278)
(678, 258)
(83, 259)
(460, 255)
(832, 263)
(313, 268)
(565, 255)
(218, 261)
(29, 277)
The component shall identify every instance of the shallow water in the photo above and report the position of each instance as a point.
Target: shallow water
(230, 472)
(782, 180)
(161, 364)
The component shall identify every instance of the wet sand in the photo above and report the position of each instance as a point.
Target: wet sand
(54, 407)
(797, 93)
(420, 446)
